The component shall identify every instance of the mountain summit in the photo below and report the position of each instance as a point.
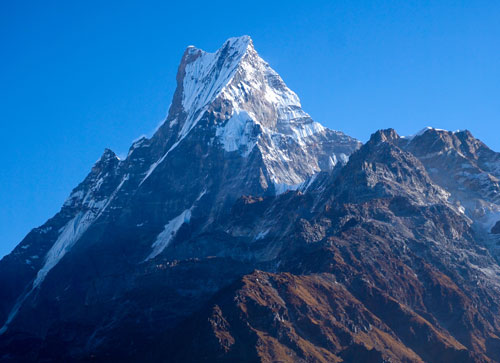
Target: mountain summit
(250, 232)
(243, 105)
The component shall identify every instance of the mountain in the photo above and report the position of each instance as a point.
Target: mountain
(378, 266)
(233, 129)
(243, 230)
(469, 170)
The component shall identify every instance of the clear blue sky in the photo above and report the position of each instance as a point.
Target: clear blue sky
(79, 76)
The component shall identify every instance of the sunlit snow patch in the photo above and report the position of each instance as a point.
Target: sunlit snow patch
(170, 230)
(165, 237)
(236, 134)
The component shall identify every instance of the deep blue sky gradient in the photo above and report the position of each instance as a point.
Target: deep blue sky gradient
(79, 76)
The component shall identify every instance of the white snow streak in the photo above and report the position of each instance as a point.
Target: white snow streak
(68, 236)
(170, 230)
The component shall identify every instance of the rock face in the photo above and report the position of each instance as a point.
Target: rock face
(245, 229)
(469, 170)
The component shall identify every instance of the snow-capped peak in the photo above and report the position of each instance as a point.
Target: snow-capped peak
(206, 74)
(237, 100)
(238, 77)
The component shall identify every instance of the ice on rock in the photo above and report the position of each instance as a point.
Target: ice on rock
(237, 133)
